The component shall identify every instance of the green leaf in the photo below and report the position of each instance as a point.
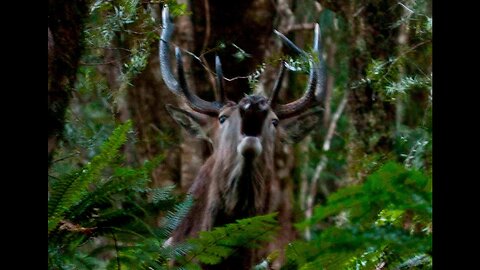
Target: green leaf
(211, 247)
(70, 190)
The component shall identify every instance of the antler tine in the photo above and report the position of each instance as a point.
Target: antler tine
(165, 67)
(290, 44)
(322, 78)
(196, 103)
(219, 80)
(277, 86)
(181, 89)
(316, 85)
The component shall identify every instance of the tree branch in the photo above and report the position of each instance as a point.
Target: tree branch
(323, 161)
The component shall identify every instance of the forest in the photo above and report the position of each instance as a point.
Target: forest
(242, 134)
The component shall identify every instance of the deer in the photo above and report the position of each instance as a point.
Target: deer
(236, 181)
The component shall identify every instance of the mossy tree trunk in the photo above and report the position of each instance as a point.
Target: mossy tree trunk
(373, 37)
(65, 27)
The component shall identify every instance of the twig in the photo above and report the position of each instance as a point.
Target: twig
(333, 123)
(407, 8)
(54, 177)
(66, 157)
(109, 48)
(207, 25)
(200, 59)
(323, 161)
(116, 250)
(358, 11)
(236, 78)
(206, 67)
(301, 26)
(97, 64)
(71, 227)
(402, 54)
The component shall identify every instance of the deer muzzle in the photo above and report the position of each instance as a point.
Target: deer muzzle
(253, 111)
(250, 147)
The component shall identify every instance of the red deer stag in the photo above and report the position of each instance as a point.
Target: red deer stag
(236, 181)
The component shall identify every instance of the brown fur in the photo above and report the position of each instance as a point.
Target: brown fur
(230, 187)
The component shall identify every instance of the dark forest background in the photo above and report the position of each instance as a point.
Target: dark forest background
(359, 186)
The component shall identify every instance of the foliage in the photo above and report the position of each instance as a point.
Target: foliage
(99, 212)
(125, 32)
(70, 190)
(211, 247)
(385, 220)
(102, 214)
(405, 71)
(87, 205)
(378, 213)
(372, 211)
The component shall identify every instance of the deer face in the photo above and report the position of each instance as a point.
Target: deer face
(248, 125)
(246, 128)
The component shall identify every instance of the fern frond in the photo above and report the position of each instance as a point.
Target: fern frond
(211, 247)
(162, 194)
(175, 217)
(415, 262)
(388, 222)
(69, 191)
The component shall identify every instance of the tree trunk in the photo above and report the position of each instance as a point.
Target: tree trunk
(372, 37)
(65, 27)
(244, 24)
(146, 103)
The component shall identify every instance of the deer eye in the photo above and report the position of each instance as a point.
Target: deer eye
(222, 118)
(275, 122)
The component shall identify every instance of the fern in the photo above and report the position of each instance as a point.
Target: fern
(142, 254)
(392, 184)
(211, 247)
(69, 191)
(385, 221)
(123, 179)
(415, 262)
(175, 217)
(113, 212)
(162, 194)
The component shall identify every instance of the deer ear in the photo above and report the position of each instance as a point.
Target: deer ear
(191, 122)
(297, 128)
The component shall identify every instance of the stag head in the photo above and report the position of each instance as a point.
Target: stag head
(250, 126)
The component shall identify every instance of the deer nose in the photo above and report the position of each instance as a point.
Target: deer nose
(250, 105)
(252, 120)
(253, 111)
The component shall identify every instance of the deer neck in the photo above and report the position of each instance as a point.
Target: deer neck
(242, 187)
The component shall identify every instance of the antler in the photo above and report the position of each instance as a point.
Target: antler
(181, 88)
(277, 86)
(316, 83)
(219, 81)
